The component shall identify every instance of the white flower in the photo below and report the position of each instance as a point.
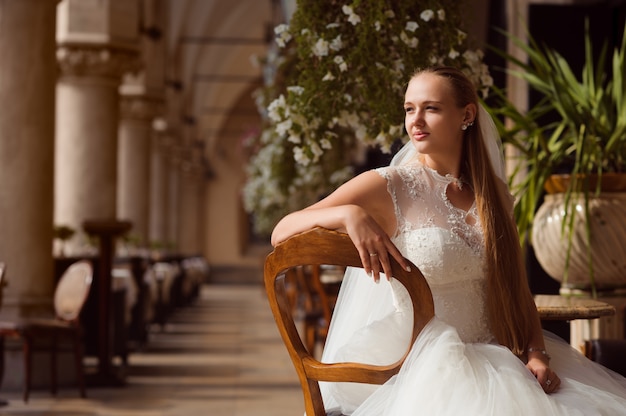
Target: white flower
(325, 143)
(273, 110)
(296, 89)
(427, 14)
(320, 48)
(281, 28)
(328, 77)
(377, 26)
(294, 138)
(332, 25)
(486, 80)
(300, 156)
(453, 54)
(282, 35)
(317, 151)
(461, 36)
(441, 14)
(395, 131)
(336, 44)
(283, 127)
(411, 26)
(343, 66)
(410, 42)
(352, 17)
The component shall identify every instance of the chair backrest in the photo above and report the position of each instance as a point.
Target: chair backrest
(322, 246)
(72, 290)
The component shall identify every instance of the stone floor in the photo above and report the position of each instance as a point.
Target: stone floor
(221, 356)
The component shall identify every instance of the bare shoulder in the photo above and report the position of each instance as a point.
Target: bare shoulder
(365, 190)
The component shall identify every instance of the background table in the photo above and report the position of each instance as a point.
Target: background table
(570, 308)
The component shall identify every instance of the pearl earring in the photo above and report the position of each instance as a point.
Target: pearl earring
(464, 127)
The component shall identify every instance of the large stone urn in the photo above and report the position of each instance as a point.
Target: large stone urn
(607, 226)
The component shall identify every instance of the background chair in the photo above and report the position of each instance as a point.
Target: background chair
(324, 247)
(69, 298)
(611, 353)
(313, 291)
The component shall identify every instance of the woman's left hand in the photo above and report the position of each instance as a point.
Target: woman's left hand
(547, 378)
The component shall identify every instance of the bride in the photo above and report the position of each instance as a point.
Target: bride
(443, 203)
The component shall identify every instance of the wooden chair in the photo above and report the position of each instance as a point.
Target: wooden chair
(321, 246)
(69, 298)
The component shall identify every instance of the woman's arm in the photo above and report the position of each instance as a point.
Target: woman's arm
(538, 358)
(362, 208)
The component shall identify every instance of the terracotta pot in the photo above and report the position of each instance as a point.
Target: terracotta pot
(608, 234)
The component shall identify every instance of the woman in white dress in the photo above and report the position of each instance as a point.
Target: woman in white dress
(443, 203)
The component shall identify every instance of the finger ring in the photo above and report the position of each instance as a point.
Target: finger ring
(548, 382)
(373, 254)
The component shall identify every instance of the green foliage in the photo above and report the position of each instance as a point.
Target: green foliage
(337, 87)
(589, 133)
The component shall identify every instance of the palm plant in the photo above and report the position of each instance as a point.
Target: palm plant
(586, 139)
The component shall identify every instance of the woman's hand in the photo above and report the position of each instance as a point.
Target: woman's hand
(539, 366)
(373, 244)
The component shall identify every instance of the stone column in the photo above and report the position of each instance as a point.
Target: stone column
(173, 196)
(135, 135)
(86, 134)
(159, 186)
(96, 46)
(188, 212)
(27, 78)
(191, 224)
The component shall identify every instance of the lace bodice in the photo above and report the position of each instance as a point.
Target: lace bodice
(445, 242)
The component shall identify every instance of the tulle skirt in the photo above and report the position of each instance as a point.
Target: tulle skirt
(444, 376)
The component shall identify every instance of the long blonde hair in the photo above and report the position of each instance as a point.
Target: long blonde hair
(508, 294)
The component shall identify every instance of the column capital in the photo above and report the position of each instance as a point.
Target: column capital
(108, 62)
(140, 107)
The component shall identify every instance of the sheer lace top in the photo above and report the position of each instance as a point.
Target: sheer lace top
(445, 242)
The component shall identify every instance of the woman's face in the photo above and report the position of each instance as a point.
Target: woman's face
(432, 118)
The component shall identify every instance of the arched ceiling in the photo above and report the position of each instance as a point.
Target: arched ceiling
(210, 49)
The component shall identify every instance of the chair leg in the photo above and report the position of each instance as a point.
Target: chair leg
(53, 366)
(80, 372)
(27, 351)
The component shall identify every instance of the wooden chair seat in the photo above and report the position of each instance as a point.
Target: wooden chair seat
(325, 247)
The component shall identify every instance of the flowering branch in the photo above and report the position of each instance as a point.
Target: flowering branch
(340, 74)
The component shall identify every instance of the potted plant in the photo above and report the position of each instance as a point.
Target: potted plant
(573, 162)
(63, 233)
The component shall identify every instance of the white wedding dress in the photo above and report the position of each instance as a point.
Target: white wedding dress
(455, 367)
